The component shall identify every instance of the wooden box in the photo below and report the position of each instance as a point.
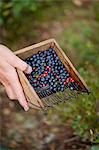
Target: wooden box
(31, 95)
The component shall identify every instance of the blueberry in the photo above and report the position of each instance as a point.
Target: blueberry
(50, 49)
(31, 59)
(29, 63)
(45, 53)
(59, 63)
(55, 55)
(48, 57)
(51, 83)
(59, 88)
(51, 87)
(67, 75)
(59, 67)
(61, 71)
(61, 83)
(56, 75)
(34, 56)
(71, 88)
(43, 61)
(63, 80)
(57, 58)
(53, 52)
(53, 63)
(38, 61)
(39, 72)
(62, 67)
(55, 89)
(41, 54)
(52, 59)
(62, 86)
(61, 76)
(56, 64)
(62, 89)
(49, 63)
(54, 85)
(56, 67)
(33, 64)
(48, 53)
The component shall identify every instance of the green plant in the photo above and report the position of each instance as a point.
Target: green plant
(83, 111)
(15, 9)
(94, 148)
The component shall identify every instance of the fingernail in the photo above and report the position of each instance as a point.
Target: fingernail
(29, 70)
(26, 108)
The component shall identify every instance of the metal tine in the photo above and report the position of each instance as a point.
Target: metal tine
(53, 98)
(65, 97)
(41, 95)
(48, 96)
(69, 97)
(75, 86)
(45, 104)
(46, 101)
(59, 97)
(75, 94)
(67, 93)
(44, 93)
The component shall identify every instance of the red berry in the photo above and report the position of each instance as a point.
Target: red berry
(71, 80)
(67, 80)
(49, 69)
(65, 83)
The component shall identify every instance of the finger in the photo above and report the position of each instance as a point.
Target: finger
(10, 92)
(8, 89)
(20, 64)
(16, 86)
(13, 60)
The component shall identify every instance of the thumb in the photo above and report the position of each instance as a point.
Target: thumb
(23, 66)
(15, 61)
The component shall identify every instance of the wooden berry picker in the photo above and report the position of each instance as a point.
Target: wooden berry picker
(53, 79)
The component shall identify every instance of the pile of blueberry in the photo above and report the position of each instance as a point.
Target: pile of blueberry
(49, 74)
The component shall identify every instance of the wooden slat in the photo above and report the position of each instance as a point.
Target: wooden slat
(30, 50)
(28, 90)
(71, 69)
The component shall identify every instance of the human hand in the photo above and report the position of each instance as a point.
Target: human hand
(8, 75)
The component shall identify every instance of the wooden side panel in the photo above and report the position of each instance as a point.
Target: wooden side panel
(30, 94)
(71, 69)
(28, 51)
